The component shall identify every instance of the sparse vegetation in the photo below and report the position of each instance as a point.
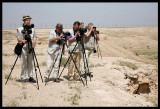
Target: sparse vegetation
(96, 65)
(148, 54)
(43, 64)
(128, 64)
(6, 76)
(74, 99)
(25, 96)
(5, 54)
(125, 47)
(43, 39)
(13, 103)
(7, 42)
(64, 60)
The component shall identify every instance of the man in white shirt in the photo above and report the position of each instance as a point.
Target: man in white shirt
(26, 57)
(53, 53)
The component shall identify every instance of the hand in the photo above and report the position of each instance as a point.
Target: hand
(77, 33)
(33, 46)
(95, 32)
(61, 35)
(24, 41)
(91, 27)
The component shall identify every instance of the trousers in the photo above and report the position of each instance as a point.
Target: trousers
(89, 56)
(71, 66)
(51, 58)
(26, 64)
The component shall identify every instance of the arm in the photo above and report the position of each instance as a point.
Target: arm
(34, 42)
(96, 35)
(20, 40)
(73, 38)
(54, 39)
(87, 35)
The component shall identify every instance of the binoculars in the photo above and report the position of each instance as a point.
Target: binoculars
(27, 28)
(82, 30)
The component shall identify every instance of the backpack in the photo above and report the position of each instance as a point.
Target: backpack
(18, 48)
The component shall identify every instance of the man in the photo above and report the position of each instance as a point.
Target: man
(53, 53)
(82, 25)
(26, 56)
(76, 53)
(89, 44)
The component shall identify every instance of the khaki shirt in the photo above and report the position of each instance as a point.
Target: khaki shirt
(89, 42)
(73, 43)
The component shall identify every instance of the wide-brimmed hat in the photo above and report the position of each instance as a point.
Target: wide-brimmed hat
(26, 17)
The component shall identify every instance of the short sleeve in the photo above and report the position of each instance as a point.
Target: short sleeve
(51, 35)
(34, 34)
(68, 37)
(18, 33)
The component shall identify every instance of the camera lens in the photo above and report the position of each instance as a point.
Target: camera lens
(32, 25)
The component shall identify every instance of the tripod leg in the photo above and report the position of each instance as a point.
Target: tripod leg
(60, 61)
(52, 66)
(11, 70)
(84, 67)
(68, 58)
(77, 69)
(75, 64)
(35, 69)
(64, 67)
(87, 64)
(85, 60)
(37, 65)
(99, 50)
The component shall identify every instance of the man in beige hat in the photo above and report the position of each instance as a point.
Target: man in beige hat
(26, 57)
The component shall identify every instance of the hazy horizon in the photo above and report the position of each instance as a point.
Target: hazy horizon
(47, 15)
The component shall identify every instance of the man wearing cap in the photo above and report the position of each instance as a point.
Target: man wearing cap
(76, 53)
(26, 57)
(53, 53)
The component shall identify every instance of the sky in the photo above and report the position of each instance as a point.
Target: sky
(101, 14)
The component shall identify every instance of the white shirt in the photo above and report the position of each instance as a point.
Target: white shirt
(53, 46)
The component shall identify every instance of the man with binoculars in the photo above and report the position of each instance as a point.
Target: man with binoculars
(53, 52)
(89, 43)
(72, 39)
(26, 56)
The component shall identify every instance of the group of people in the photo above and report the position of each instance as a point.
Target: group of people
(54, 50)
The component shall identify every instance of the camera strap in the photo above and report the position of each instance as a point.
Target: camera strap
(57, 33)
(74, 32)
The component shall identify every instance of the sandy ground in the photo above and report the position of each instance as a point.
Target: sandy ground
(106, 88)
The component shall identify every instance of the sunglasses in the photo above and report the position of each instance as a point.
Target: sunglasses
(60, 28)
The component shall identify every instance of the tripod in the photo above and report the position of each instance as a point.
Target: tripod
(85, 60)
(56, 60)
(98, 49)
(63, 47)
(11, 70)
(31, 50)
(33, 54)
(84, 56)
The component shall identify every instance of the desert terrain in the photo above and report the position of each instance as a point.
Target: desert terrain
(127, 74)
